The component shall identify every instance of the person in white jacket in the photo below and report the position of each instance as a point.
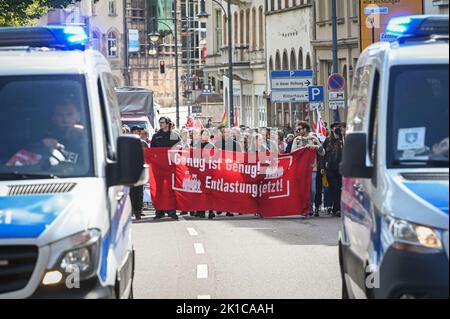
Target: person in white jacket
(306, 139)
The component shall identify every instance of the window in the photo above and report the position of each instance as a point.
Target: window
(111, 113)
(272, 5)
(112, 8)
(254, 29)
(96, 41)
(247, 27)
(112, 45)
(418, 110)
(219, 29)
(54, 110)
(359, 99)
(261, 28)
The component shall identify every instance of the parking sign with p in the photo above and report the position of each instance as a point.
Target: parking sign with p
(316, 94)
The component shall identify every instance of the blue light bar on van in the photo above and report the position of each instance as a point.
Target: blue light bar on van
(418, 26)
(56, 37)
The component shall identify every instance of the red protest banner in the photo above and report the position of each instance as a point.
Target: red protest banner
(196, 180)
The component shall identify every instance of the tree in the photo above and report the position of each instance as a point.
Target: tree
(23, 12)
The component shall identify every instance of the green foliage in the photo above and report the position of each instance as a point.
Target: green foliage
(23, 12)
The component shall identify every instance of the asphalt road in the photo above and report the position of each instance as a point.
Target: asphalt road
(237, 257)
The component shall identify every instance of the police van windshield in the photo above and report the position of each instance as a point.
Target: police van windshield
(44, 127)
(418, 116)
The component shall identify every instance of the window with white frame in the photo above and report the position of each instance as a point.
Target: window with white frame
(112, 45)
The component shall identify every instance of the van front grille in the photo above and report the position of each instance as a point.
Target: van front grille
(37, 189)
(16, 266)
(426, 176)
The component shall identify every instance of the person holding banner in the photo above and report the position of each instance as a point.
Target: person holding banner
(306, 139)
(205, 147)
(226, 142)
(165, 137)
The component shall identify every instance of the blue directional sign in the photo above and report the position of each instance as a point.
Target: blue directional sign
(290, 85)
(316, 94)
(293, 74)
(207, 89)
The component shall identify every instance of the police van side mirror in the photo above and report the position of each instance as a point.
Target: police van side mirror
(129, 170)
(353, 163)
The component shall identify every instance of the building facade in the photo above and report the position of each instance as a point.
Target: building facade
(348, 45)
(436, 6)
(249, 63)
(104, 20)
(290, 28)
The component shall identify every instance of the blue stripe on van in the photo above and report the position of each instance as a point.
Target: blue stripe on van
(29, 216)
(434, 193)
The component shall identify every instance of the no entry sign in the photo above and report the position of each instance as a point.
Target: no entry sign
(336, 82)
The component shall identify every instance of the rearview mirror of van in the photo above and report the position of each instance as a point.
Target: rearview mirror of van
(129, 170)
(353, 163)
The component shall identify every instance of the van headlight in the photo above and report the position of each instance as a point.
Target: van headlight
(409, 236)
(75, 254)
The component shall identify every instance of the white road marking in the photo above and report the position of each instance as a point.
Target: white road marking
(202, 271)
(199, 249)
(192, 231)
(204, 297)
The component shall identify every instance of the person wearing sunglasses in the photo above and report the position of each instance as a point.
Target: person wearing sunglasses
(165, 137)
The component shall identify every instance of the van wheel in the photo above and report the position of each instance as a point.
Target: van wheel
(131, 295)
(345, 294)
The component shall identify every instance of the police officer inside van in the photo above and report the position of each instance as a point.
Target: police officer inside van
(66, 133)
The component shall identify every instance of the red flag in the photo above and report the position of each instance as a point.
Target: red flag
(320, 128)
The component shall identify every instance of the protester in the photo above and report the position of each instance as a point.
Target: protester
(333, 146)
(145, 136)
(226, 142)
(209, 124)
(165, 137)
(281, 143)
(306, 139)
(125, 129)
(269, 140)
(288, 130)
(205, 145)
(137, 193)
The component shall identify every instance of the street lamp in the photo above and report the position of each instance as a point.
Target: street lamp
(154, 36)
(203, 17)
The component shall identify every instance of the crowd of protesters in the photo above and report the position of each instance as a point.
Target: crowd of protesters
(326, 182)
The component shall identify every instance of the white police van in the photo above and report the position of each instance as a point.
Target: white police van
(65, 215)
(395, 200)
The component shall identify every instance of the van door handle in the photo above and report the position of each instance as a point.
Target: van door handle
(119, 196)
(358, 188)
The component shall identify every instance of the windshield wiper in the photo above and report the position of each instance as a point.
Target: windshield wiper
(24, 175)
(436, 163)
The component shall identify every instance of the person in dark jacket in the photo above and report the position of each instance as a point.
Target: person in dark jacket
(205, 145)
(225, 142)
(137, 193)
(333, 157)
(165, 137)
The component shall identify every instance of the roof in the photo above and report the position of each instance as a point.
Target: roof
(31, 61)
(410, 52)
(215, 98)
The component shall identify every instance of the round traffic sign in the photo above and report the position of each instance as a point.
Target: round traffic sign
(336, 82)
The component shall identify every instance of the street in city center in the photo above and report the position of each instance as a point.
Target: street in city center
(240, 257)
